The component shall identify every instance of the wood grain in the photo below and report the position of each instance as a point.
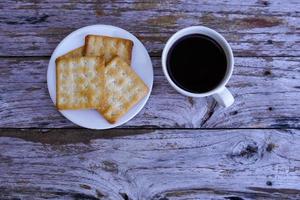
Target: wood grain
(161, 164)
(266, 91)
(144, 159)
(253, 28)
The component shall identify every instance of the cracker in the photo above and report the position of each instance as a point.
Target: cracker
(78, 52)
(109, 47)
(123, 88)
(79, 82)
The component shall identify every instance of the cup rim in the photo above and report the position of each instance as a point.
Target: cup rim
(205, 31)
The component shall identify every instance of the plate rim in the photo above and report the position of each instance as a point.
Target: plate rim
(146, 98)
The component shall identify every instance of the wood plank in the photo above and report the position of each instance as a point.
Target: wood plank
(161, 164)
(253, 28)
(266, 90)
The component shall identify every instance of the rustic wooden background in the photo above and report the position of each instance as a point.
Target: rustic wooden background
(177, 147)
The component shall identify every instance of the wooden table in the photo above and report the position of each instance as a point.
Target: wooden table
(177, 147)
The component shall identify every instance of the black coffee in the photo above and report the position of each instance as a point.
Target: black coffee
(196, 63)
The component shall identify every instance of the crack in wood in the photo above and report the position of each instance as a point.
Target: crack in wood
(84, 186)
(99, 194)
(208, 114)
(276, 190)
(71, 136)
(124, 196)
(226, 194)
(28, 20)
(233, 198)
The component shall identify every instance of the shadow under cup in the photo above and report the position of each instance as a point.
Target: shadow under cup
(196, 63)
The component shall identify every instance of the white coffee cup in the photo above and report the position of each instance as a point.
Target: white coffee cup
(220, 93)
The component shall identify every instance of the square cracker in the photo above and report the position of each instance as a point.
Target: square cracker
(78, 52)
(123, 88)
(109, 47)
(79, 82)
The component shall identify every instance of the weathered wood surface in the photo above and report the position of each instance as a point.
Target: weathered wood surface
(253, 28)
(266, 90)
(161, 164)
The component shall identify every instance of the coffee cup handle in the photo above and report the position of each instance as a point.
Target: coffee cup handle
(224, 97)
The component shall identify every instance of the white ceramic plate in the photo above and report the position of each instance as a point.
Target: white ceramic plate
(141, 63)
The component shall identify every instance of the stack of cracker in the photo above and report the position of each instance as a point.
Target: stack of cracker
(98, 76)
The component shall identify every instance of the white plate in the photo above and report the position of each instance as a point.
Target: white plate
(141, 63)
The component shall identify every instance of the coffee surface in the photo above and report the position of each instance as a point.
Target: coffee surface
(196, 63)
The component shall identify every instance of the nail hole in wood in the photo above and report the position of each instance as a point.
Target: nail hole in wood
(269, 183)
(267, 73)
(270, 42)
(233, 113)
(266, 3)
(270, 108)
